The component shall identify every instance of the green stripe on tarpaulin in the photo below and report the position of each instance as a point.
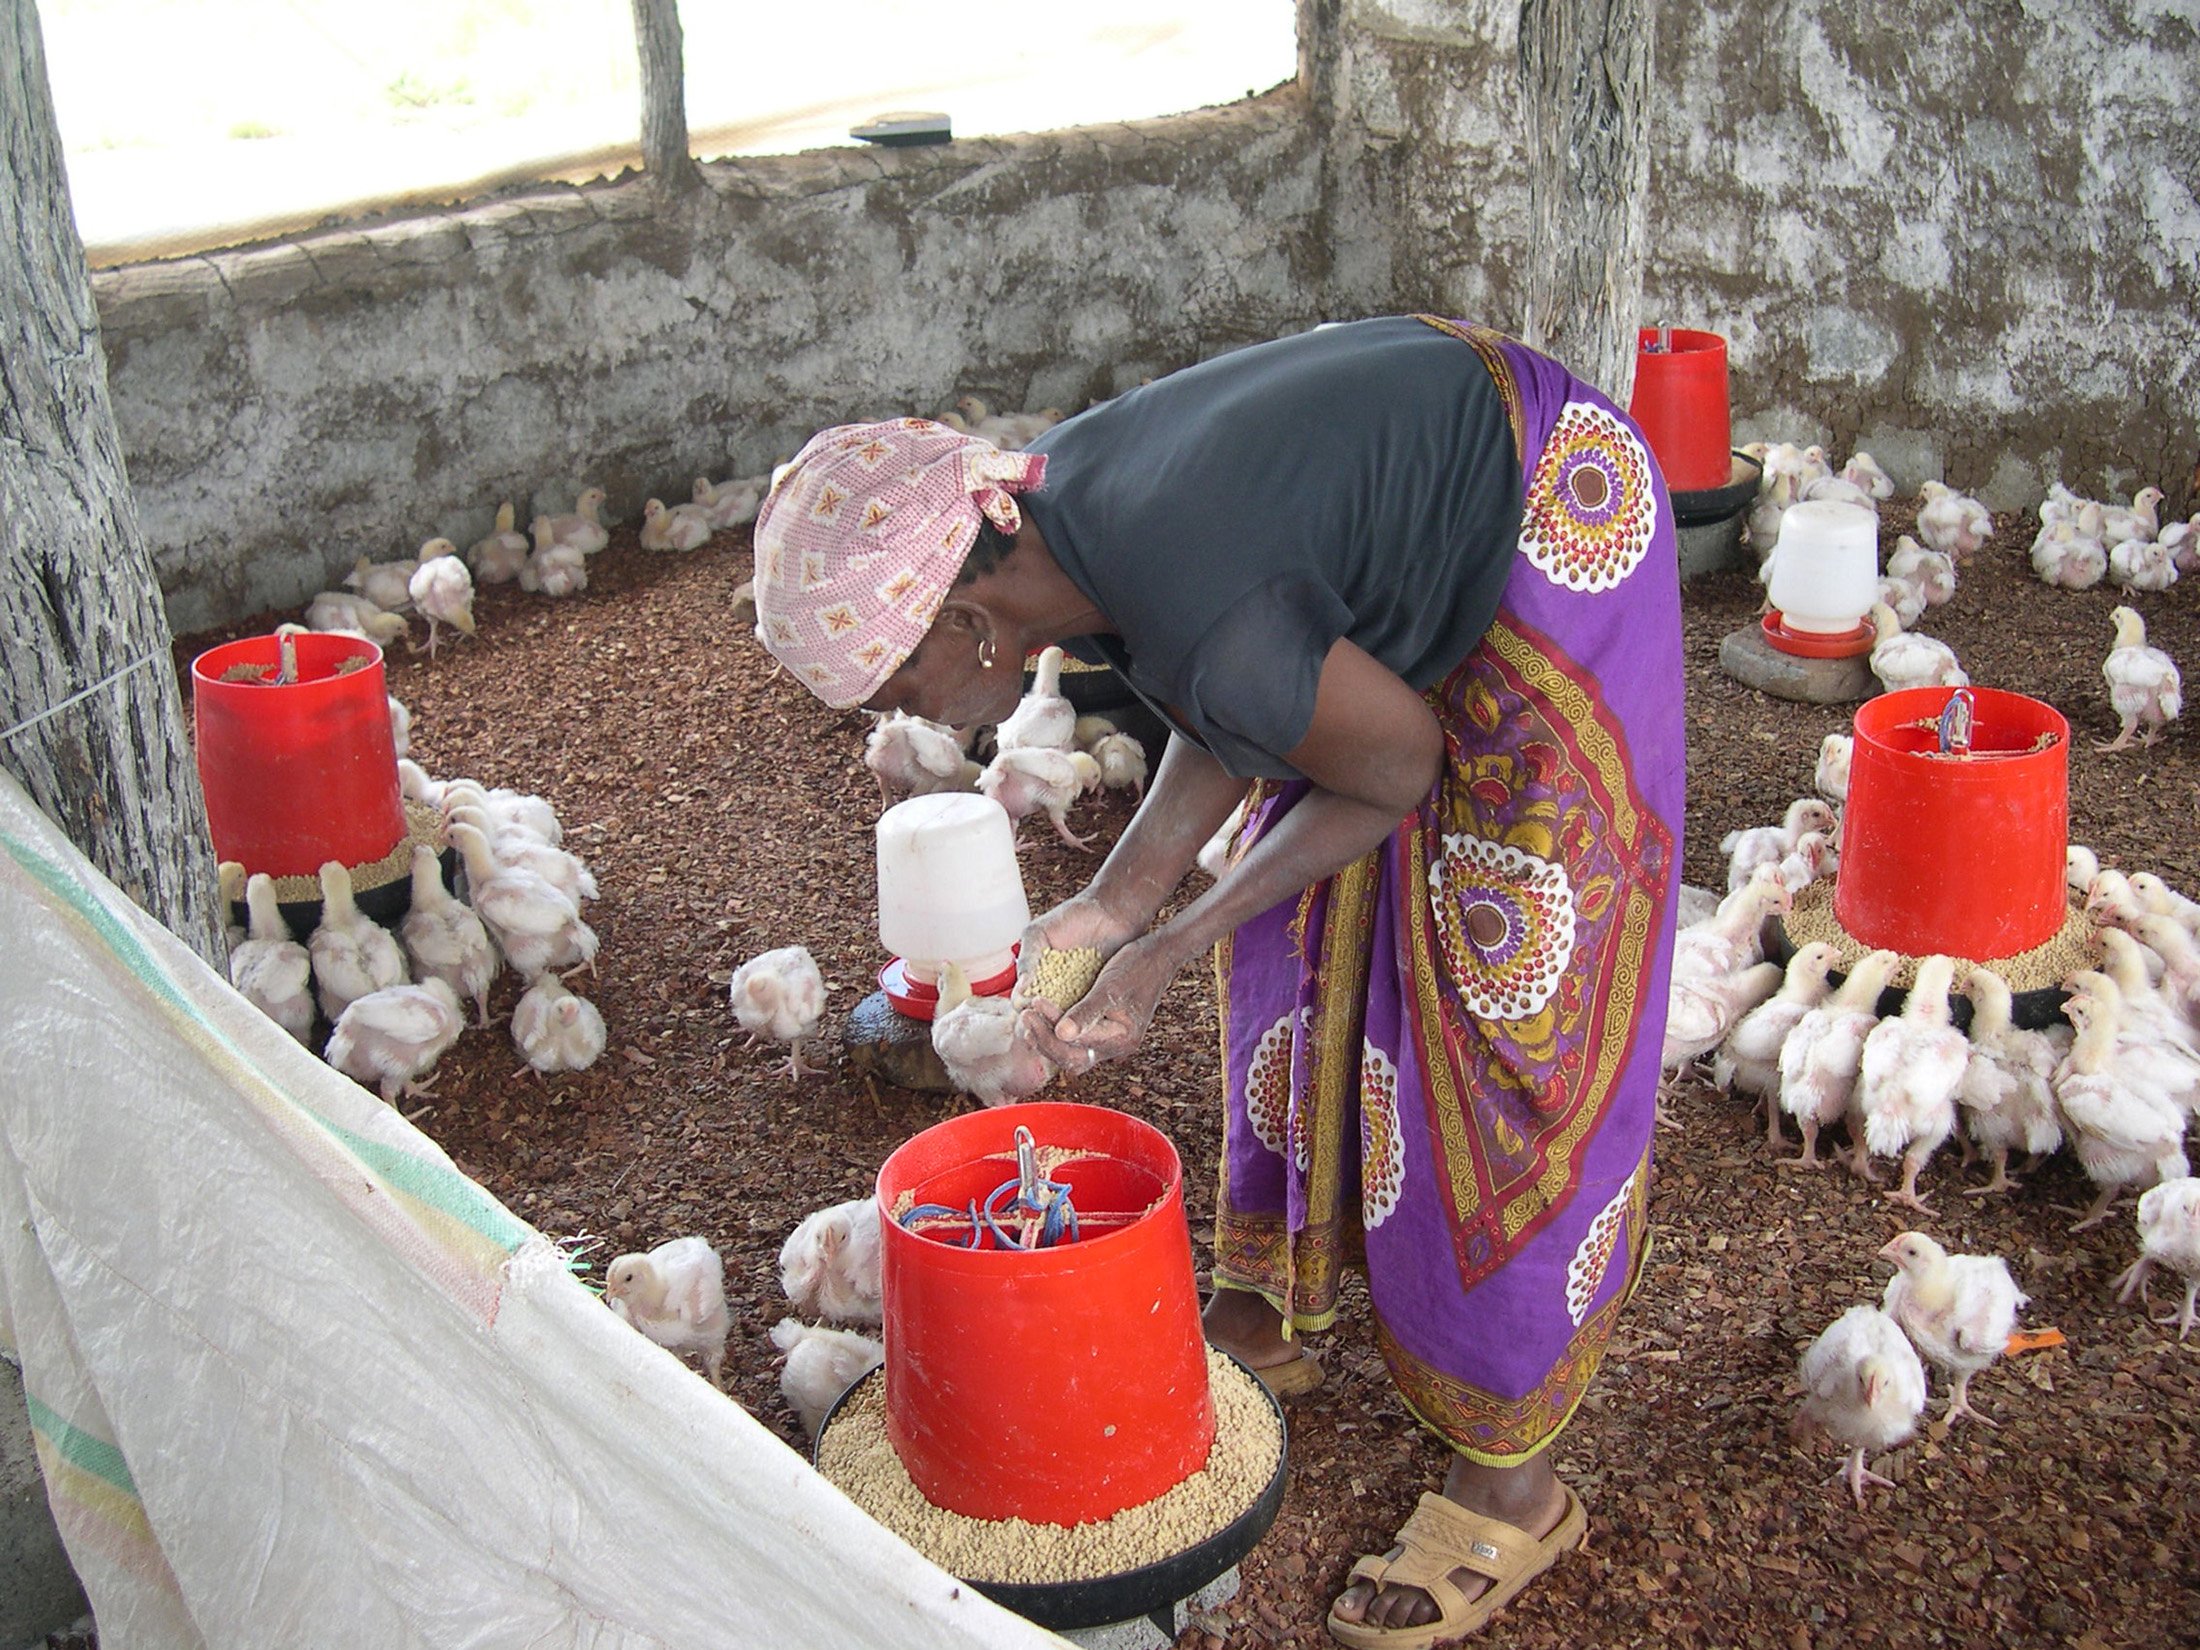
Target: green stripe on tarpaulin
(444, 1189)
(441, 1188)
(80, 1449)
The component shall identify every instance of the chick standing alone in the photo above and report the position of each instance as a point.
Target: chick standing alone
(2144, 687)
(2169, 1235)
(1958, 1310)
(780, 995)
(556, 1030)
(675, 1295)
(1863, 1383)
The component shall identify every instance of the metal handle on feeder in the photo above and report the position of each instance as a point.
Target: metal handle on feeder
(1956, 719)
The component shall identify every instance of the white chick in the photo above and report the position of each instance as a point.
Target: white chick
(443, 592)
(443, 937)
(229, 887)
(1733, 939)
(2155, 1043)
(1748, 1061)
(1958, 1310)
(508, 810)
(1862, 470)
(1028, 780)
(339, 610)
(2141, 564)
(1863, 1383)
(2008, 1091)
(1912, 1065)
(1821, 1058)
(1906, 599)
(2066, 558)
(2144, 687)
(1901, 660)
(675, 1295)
(1814, 857)
(2161, 900)
(780, 995)
(271, 969)
(582, 530)
(536, 924)
(393, 1036)
(499, 558)
(1769, 844)
(1695, 905)
(387, 584)
(1831, 777)
(1929, 570)
(829, 1265)
(1699, 1013)
(1951, 522)
(683, 527)
(2060, 504)
(1833, 489)
(910, 756)
(2122, 1134)
(731, 503)
(555, 568)
(2182, 540)
(556, 1030)
(1122, 761)
(401, 722)
(821, 1365)
(1042, 719)
(2169, 1235)
(2080, 866)
(517, 849)
(415, 785)
(1090, 730)
(2140, 519)
(980, 1041)
(352, 953)
(1777, 489)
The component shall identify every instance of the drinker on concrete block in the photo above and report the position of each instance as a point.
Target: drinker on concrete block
(1815, 644)
(1680, 401)
(1074, 1449)
(949, 891)
(295, 755)
(1953, 842)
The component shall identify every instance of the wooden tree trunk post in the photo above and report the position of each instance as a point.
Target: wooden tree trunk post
(95, 726)
(664, 94)
(1585, 75)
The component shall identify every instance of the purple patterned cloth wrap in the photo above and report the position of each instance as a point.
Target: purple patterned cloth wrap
(1444, 1058)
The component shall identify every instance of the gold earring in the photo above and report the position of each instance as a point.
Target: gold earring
(985, 653)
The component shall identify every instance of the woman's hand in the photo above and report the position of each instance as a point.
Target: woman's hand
(1084, 920)
(1112, 1018)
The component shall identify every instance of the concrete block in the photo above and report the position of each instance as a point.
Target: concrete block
(1713, 547)
(892, 1047)
(1755, 662)
(1144, 1633)
(39, 1592)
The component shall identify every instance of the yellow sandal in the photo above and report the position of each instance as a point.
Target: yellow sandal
(1441, 1536)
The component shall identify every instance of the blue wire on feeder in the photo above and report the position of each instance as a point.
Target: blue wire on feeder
(1035, 1195)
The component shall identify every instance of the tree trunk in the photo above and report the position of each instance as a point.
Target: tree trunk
(1585, 78)
(95, 728)
(664, 94)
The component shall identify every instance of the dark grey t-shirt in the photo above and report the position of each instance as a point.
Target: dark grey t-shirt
(1236, 518)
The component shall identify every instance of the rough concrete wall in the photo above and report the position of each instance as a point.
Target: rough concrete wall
(1966, 239)
(288, 408)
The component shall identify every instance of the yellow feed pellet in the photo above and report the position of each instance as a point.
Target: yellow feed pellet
(2071, 948)
(1063, 977)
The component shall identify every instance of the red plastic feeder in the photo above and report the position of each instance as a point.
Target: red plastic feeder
(1680, 402)
(1057, 1385)
(1961, 855)
(303, 773)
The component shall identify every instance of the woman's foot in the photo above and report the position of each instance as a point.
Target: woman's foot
(1529, 1497)
(1246, 1326)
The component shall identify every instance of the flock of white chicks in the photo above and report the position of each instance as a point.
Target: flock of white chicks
(439, 583)
(393, 1001)
(2080, 541)
(829, 1268)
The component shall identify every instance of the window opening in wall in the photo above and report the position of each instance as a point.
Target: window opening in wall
(195, 126)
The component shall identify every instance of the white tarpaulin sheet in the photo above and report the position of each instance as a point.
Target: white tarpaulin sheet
(296, 1381)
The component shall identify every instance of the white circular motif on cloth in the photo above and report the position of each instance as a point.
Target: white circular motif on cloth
(1591, 507)
(1382, 1147)
(1505, 920)
(1268, 1086)
(1585, 1272)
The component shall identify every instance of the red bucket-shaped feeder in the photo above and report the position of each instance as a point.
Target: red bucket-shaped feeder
(1057, 1385)
(300, 773)
(1680, 402)
(1955, 854)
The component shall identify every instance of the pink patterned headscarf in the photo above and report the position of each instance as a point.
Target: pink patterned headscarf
(862, 538)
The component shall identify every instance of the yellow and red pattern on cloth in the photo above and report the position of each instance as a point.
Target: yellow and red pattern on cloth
(861, 539)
